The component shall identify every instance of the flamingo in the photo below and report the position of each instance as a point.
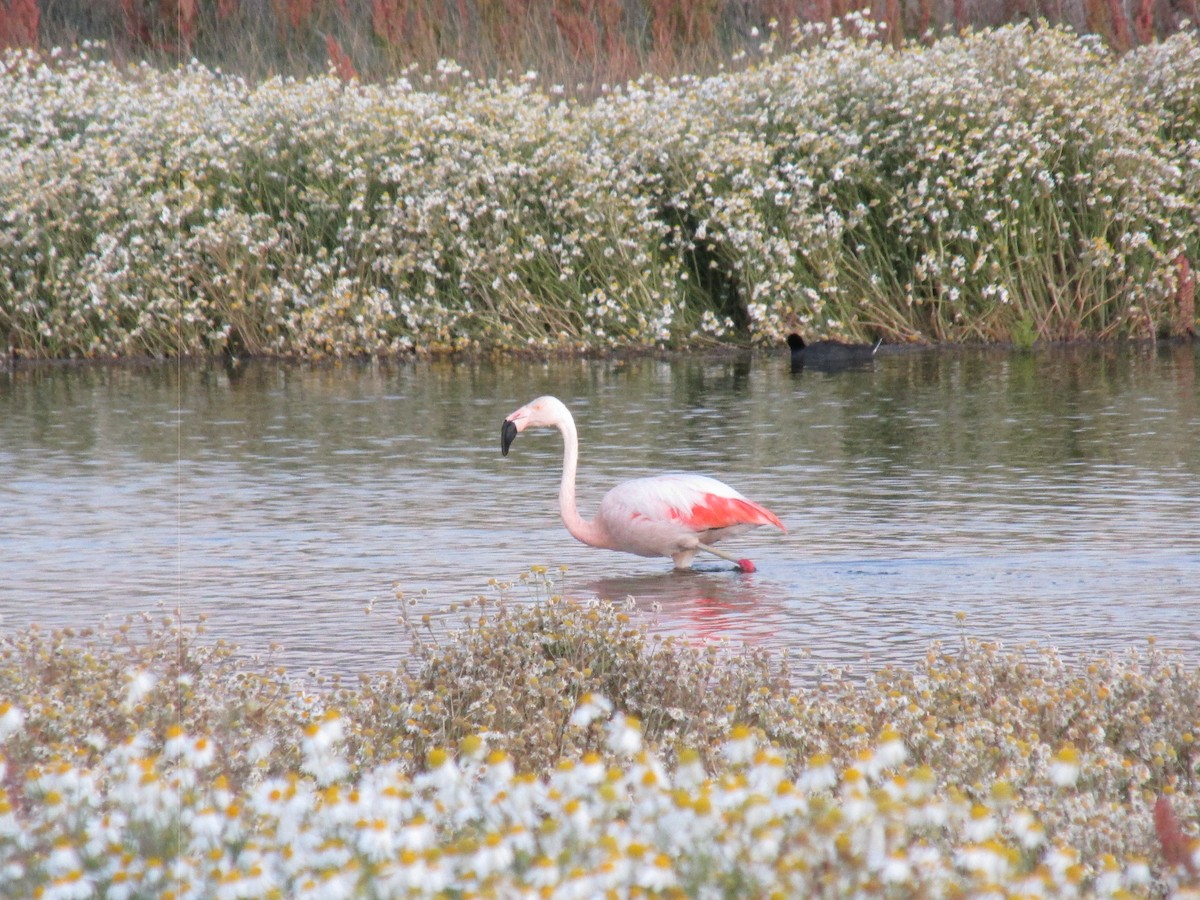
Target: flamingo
(663, 515)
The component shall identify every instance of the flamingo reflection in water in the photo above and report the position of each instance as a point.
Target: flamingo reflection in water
(703, 606)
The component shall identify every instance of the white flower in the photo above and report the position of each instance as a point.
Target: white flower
(206, 827)
(544, 874)
(1137, 875)
(988, 860)
(140, 684)
(199, 753)
(321, 736)
(376, 840)
(1027, 829)
(11, 720)
(321, 760)
(590, 708)
(624, 735)
(260, 751)
(1064, 768)
(819, 775)
(417, 835)
(1059, 859)
(981, 825)
(739, 748)
(896, 868)
(326, 768)
(175, 743)
(891, 751)
(72, 886)
(656, 874)
(63, 860)
(495, 855)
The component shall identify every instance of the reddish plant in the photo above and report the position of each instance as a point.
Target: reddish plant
(19, 23)
(662, 48)
(1187, 11)
(594, 33)
(421, 31)
(784, 12)
(168, 26)
(510, 23)
(924, 16)
(1172, 839)
(388, 20)
(339, 61)
(1185, 297)
(1143, 21)
(185, 20)
(621, 62)
(575, 23)
(1119, 35)
(893, 22)
(821, 11)
(136, 27)
(683, 23)
(294, 12)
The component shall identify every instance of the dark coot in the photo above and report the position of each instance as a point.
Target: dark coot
(829, 356)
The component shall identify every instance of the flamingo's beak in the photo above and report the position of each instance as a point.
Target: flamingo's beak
(508, 434)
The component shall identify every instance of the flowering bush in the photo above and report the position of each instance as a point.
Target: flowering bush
(141, 765)
(1009, 182)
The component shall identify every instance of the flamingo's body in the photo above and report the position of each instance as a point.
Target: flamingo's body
(663, 515)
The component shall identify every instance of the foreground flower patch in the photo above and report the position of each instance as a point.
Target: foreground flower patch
(144, 823)
(983, 772)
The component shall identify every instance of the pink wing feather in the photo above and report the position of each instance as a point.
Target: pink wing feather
(699, 502)
(716, 511)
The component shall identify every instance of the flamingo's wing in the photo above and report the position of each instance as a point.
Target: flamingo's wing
(697, 502)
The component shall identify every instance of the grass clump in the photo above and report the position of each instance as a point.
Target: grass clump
(558, 747)
(1018, 183)
(519, 674)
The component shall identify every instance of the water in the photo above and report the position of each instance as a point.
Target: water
(1050, 497)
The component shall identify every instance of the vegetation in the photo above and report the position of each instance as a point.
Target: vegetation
(1001, 184)
(553, 747)
(1020, 183)
(571, 42)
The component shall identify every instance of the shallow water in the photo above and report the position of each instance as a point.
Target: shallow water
(1051, 496)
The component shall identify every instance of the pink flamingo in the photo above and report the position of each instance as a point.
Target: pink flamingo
(663, 515)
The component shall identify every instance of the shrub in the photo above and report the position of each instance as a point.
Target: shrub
(146, 754)
(1007, 183)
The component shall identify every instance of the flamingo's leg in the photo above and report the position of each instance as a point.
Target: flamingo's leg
(744, 564)
(683, 559)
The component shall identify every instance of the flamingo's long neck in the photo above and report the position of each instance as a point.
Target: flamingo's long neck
(581, 529)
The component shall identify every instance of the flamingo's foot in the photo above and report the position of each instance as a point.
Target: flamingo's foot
(745, 565)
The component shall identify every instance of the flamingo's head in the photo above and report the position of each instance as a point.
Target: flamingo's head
(544, 412)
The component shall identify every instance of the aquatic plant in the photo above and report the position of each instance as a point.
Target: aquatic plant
(143, 759)
(1001, 183)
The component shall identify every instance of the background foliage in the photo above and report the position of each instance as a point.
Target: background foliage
(585, 42)
(1013, 184)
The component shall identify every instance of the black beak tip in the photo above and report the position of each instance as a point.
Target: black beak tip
(508, 434)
